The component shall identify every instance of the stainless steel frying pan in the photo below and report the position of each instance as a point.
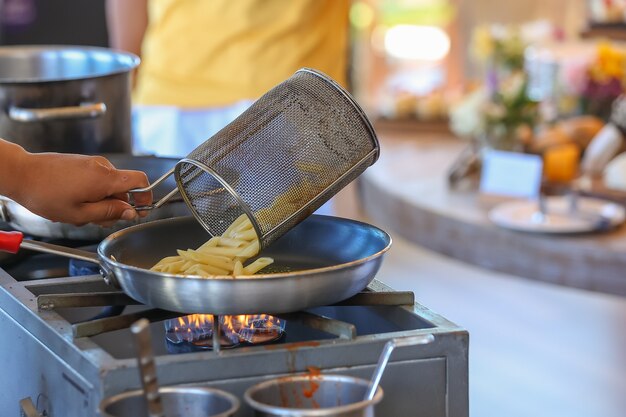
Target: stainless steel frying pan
(321, 261)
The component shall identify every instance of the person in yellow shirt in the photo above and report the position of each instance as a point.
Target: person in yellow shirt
(205, 61)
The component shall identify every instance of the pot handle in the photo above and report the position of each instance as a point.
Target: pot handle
(422, 339)
(84, 111)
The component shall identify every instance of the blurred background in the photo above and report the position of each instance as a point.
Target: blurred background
(546, 314)
(408, 57)
(409, 60)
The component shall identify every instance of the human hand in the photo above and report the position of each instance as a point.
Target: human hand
(79, 189)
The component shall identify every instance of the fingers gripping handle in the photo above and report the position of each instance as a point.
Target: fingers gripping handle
(155, 205)
(150, 188)
(11, 241)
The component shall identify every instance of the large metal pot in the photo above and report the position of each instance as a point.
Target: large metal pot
(66, 98)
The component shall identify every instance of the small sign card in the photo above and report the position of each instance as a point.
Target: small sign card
(511, 174)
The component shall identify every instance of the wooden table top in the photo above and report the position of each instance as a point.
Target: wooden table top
(407, 191)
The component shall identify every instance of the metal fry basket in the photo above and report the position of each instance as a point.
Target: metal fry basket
(281, 159)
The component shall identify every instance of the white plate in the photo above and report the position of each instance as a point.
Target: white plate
(524, 215)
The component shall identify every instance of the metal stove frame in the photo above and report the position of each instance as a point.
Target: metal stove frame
(66, 374)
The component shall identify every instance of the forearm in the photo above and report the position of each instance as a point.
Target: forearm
(126, 22)
(69, 188)
(12, 171)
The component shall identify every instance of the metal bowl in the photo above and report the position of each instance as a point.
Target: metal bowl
(177, 401)
(312, 396)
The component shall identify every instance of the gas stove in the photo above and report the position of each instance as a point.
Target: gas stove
(66, 345)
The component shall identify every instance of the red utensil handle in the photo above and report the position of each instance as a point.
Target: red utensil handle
(11, 241)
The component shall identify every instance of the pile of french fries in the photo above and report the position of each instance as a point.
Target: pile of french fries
(219, 256)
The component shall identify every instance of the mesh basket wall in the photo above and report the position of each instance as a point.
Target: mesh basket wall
(280, 160)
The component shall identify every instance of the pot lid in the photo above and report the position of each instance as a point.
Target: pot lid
(33, 64)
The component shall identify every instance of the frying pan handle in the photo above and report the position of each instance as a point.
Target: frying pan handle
(150, 188)
(12, 242)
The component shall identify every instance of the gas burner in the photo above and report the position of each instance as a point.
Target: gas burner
(195, 331)
(260, 329)
(196, 345)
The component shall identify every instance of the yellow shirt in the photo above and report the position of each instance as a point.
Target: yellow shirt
(209, 53)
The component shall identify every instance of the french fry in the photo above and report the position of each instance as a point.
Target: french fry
(232, 242)
(238, 270)
(250, 250)
(257, 265)
(220, 255)
(238, 221)
(247, 235)
(211, 243)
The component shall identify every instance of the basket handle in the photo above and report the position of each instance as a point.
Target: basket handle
(159, 203)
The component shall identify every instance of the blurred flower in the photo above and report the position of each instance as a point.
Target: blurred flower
(501, 114)
(504, 46)
(482, 43)
(498, 45)
(466, 119)
(574, 76)
(502, 119)
(605, 80)
(610, 64)
(608, 89)
(513, 87)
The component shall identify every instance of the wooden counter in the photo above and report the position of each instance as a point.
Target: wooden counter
(407, 192)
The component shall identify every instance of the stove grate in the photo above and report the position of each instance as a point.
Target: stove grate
(122, 321)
